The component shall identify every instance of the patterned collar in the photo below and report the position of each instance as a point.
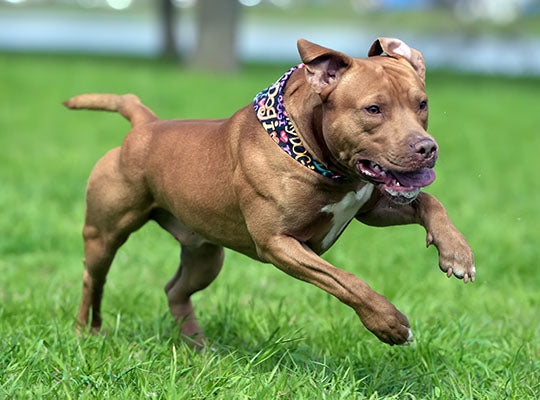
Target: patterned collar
(274, 118)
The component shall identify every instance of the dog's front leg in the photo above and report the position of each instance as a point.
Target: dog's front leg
(455, 254)
(375, 311)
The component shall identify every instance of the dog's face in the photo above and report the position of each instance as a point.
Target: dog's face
(375, 114)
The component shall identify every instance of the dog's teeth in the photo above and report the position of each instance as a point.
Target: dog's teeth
(411, 194)
(397, 184)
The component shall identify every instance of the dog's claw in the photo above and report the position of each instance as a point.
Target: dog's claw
(429, 239)
(410, 338)
(466, 278)
(449, 272)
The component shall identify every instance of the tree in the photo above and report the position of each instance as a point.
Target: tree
(167, 17)
(217, 22)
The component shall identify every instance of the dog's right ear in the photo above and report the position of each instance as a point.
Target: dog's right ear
(324, 67)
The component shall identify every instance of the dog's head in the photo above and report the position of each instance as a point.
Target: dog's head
(375, 114)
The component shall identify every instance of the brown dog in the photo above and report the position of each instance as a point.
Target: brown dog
(354, 145)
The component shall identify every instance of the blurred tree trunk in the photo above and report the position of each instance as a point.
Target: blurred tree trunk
(217, 22)
(168, 21)
(448, 4)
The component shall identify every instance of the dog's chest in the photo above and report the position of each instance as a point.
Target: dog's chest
(343, 211)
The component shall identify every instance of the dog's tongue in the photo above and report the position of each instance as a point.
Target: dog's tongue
(419, 178)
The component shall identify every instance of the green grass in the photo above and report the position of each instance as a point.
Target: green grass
(274, 337)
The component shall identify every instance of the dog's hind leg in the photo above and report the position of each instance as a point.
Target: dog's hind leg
(199, 266)
(116, 207)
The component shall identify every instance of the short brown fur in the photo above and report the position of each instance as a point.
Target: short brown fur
(224, 183)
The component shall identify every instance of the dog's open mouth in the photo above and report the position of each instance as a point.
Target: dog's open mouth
(402, 187)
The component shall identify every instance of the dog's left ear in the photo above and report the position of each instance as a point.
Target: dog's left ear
(324, 67)
(397, 48)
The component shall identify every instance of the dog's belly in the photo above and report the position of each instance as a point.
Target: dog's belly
(343, 212)
(195, 222)
(238, 238)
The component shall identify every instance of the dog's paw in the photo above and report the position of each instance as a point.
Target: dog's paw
(455, 256)
(387, 323)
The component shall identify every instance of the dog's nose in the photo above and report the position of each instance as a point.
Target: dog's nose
(425, 148)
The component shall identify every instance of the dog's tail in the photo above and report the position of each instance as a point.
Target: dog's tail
(128, 105)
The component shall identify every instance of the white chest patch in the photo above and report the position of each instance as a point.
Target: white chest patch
(343, 211)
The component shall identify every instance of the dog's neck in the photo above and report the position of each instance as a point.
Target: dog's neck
(305, 110)
(291, 113)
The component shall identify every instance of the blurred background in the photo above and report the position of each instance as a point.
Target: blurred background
(486, 36)
(206, 59)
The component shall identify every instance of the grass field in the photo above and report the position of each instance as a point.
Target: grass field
(274, 337)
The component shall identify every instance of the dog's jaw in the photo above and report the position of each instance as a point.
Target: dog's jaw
(401, 187)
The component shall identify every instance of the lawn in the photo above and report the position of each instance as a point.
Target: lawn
(273, 336)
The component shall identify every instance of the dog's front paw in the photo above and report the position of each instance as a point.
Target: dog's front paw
(455, 255)
(387, 323)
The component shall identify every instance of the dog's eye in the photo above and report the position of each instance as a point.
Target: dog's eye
(422, 105)
(373, 109)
